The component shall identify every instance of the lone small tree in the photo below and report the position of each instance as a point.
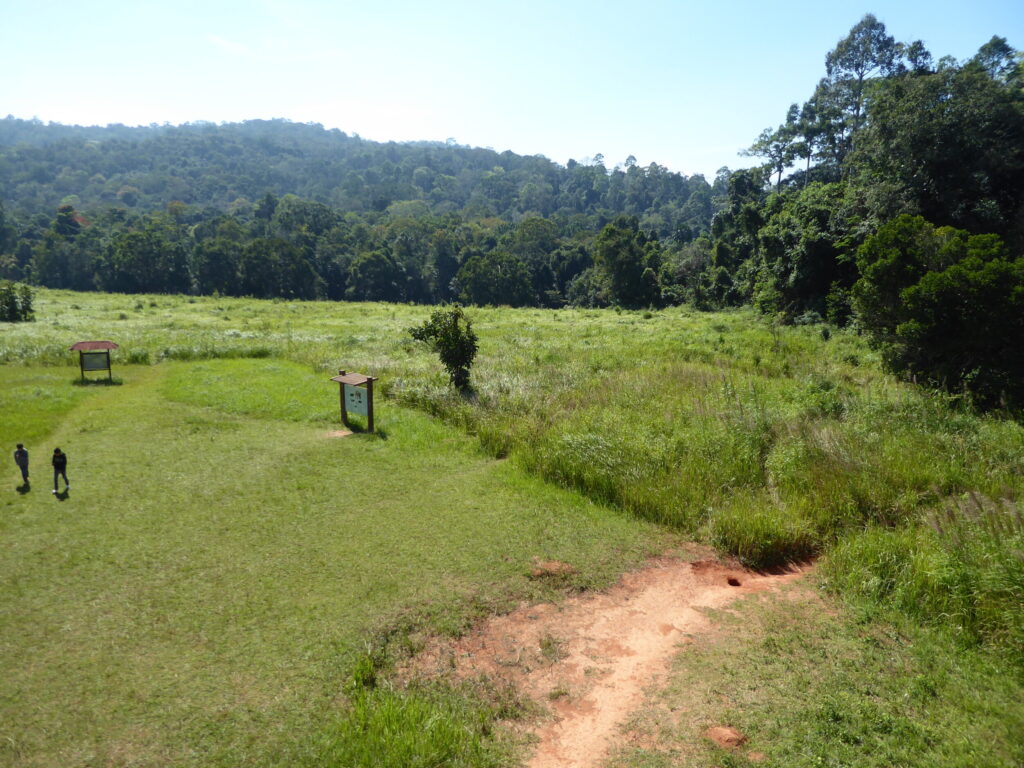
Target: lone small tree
(450, 334)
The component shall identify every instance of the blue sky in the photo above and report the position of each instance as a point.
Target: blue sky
(684, 84)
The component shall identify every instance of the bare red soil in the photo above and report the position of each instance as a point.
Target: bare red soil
(589, 660)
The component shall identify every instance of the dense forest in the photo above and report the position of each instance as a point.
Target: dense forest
(272, 208)
(891, 199)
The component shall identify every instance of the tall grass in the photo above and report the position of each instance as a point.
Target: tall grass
(762, 534)
(961, 568)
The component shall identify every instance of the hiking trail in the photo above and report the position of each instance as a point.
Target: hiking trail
(590, 659)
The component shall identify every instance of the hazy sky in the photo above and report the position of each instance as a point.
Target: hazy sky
(684, 84)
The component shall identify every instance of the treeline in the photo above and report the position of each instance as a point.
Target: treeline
(886, 132)
(892, 199)
(295, 248)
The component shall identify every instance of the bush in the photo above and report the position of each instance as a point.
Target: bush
(450, 334)
(965, 327)
(15, 302)
(946, 307)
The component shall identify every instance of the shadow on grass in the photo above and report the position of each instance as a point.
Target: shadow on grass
(63, 495)
(360, 429)
(790, 566)
(24, 488)
(114, 382)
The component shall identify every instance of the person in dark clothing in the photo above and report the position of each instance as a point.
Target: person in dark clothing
(60, 468)
(21, 459)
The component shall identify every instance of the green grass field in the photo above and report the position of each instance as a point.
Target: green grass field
(220, 569)
(200, 596)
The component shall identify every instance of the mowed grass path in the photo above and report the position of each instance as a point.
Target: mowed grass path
(199, 597)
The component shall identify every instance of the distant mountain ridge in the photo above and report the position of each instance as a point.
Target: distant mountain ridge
(221, 166)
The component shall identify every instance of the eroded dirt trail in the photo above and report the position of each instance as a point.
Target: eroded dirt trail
(590, 659)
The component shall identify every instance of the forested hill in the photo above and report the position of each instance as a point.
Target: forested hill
(227, 166)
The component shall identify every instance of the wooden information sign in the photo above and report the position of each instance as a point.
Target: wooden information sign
(356, 396)
(94, 356)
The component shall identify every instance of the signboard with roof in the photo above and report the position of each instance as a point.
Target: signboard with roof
(356, 396)
(94, 356)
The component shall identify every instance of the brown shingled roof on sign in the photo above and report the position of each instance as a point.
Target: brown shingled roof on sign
(353, 379)
(89, 346)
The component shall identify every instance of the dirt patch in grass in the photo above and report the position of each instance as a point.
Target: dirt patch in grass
(589, 661)
(726, 736)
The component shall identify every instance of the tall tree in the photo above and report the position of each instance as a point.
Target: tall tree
(949, 145)
(375, 276)
(777, 147)
(865, 52)
(630, 262)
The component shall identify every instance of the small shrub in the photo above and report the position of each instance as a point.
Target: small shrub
(450, 334)
(824, 397)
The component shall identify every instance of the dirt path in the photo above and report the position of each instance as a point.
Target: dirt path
(590, 659)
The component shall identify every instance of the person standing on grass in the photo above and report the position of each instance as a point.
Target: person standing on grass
(21, 459)
(60, 468)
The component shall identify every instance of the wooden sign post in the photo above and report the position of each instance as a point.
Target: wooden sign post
(94, 356)
(356, 396)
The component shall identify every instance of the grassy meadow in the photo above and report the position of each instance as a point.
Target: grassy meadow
(217, 584)
(219, 566)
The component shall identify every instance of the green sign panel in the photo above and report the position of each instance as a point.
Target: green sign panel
(356, 400)
(95, 361)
